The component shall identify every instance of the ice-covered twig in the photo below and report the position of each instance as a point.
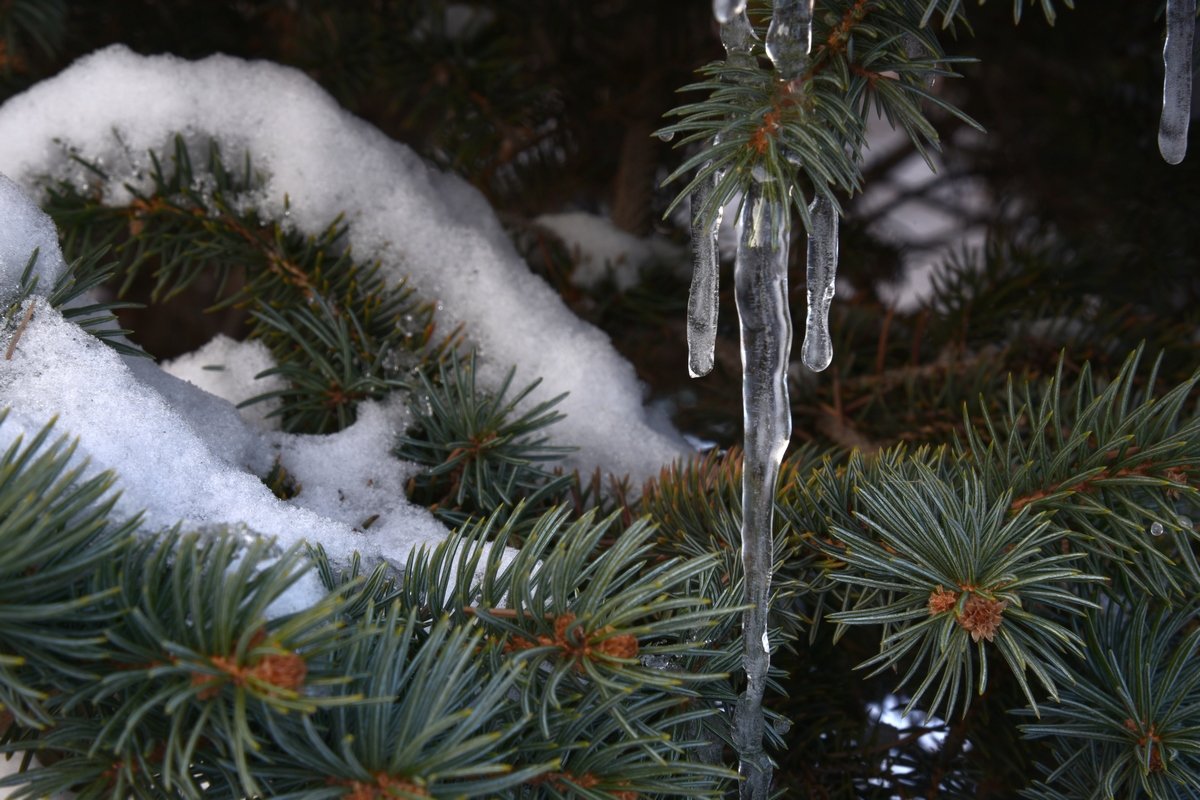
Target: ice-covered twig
(766, 330)
(822, 277)
(1177, 80)
(789, 38)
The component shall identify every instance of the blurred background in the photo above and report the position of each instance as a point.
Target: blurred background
(1060, 230)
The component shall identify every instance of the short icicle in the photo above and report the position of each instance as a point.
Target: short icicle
(766, 331)
(822, 279)
(703, 297)
(1177, 80)
(789, 38)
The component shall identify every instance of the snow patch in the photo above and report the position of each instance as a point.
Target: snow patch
(600, 249)
(228, 369)
(174, 449)
(114, 106)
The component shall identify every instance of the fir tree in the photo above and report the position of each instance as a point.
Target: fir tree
(984, 518)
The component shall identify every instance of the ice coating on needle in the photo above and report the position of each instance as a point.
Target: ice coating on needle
(422, 224)
(725, 10)
(766, 331)
(817, 352)
(1177, 80)
(704, 292)
(789, 38)
(24, 228)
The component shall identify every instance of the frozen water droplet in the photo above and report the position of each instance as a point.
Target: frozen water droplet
(1177, 80)
(1156, 529)
(789, 38)
(665, 136)
(817, 352)
(1186, 523)
(725, 10)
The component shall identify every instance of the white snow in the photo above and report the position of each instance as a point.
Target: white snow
(227, 368)
(175, 450)
(599, 248)
(114, 106)
(24, 228)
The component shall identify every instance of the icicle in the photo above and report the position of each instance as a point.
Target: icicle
(1177, 80)
(766, 329)
(822, 277)
(725, 10)
(738, 37)
(789, 38)
(737, 34)
(702, 299)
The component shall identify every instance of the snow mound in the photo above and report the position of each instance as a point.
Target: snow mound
(114, 106)
(170, 445)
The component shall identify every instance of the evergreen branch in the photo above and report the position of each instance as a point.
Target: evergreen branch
(329, 361)
(951, 573)
(197, 650)
(482, 450)
(1129, 726)
(1107, 464)
(435, 723)
(54, 531)
(339, 332)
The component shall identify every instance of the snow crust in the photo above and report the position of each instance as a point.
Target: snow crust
(114, 106)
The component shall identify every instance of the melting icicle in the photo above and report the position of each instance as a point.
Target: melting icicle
(1177, 80)
(789, 38)
(822, 279)
(702, 299)
(766, 329)
(725, 10)
(738, 37)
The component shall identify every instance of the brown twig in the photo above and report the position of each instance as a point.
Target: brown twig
(12, 345)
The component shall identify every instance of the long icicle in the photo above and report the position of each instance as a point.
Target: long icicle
(822, 279)
(1177, 80)
(738, 37)
(766, 329)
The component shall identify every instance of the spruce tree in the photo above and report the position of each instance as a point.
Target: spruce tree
(964, 534)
